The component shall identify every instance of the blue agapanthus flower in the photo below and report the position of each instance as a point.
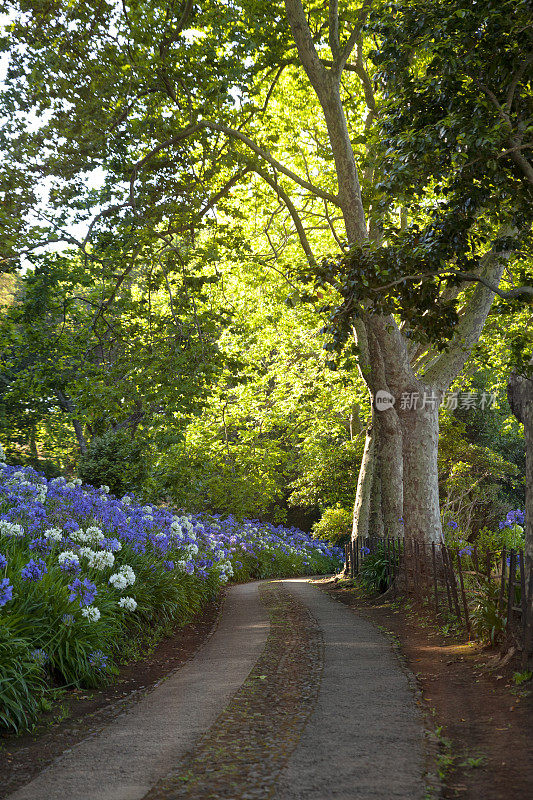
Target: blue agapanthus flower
(3, 561)
(6, 591)
(515, 517)
(98, 660)
(453, 524)
(39, 656)
(84, 591)
(34, 570)
(169, 565)
(70, 565)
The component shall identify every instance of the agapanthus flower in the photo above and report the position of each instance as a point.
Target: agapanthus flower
(39, 656)
(11, 529)
(118, 581)
(83, 590)
(3, 561)
(101, 560)
(68, 620)
(33, 570)
(41, 544)
(516, 517)
(128, 603)
(113, 545)
(54, 534)
(68, 556)
(6, 591)
(98, 660)
(169, 565)
(91, 613)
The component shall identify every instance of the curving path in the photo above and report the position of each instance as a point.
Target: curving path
(313, 705)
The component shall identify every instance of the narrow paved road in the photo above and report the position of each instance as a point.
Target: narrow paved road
(311, 706)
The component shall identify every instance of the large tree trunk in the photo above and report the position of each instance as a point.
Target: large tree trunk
(376, 527)
(520, 395)
(421, 509)
(361, 511)
(391, 470)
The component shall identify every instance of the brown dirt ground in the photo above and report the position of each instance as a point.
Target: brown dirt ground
(468, 691)
(85, 712)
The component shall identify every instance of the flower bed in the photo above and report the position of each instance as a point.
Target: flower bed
(82, 571)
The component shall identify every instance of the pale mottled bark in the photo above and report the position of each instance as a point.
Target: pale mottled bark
(520, 395)
(375, 525)
(391, 472)
(361, 511)
(421, 510)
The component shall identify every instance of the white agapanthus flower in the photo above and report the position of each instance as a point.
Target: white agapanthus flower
(68, 555)
(104, 489)
(118, 581)
(101, 559)
(77, 482)
(192, 549)
(94, 532)
(92, 613)
(180, 565)
(11, 529)
(54, 534)
(41, 493)
(126, 500)
(125, 576)
(146, 509)
(160, 536)
(79, 536)
(128, 603)
(18, 474)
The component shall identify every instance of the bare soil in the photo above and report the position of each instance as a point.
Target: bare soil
(480, 719)
(85, 712)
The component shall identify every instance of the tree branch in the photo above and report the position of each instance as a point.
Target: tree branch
(190, 130)
(304, 41)
(333, 30)
(284, 197)
(447, 366)
(345, 52)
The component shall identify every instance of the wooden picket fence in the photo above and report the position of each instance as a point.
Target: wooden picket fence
(451, 581)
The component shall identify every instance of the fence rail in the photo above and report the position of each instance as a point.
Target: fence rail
(450, 580)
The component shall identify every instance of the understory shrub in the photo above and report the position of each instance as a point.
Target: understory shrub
(335, 526)
(116, 460)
